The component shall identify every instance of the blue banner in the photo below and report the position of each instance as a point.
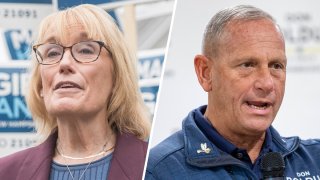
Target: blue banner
(150, 67)
(62, 4)
(14, 115)
(18, 42)
(27, 1)
(149, 95)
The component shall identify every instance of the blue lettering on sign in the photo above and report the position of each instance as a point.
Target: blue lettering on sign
(18, 42)
(63, 4)
(14, 114)
(14, 108)
(150, 67)
(27, 1)
(149, 95)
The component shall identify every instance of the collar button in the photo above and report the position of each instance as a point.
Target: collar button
(239, 155)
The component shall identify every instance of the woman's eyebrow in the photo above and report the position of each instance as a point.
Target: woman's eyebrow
(84, 34)
(50, 39)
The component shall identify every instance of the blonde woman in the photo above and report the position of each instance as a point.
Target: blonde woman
(85, 101)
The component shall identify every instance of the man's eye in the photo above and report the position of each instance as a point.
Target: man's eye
(277, 66)
(247, 64)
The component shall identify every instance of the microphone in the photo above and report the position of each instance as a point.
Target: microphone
(272, 166)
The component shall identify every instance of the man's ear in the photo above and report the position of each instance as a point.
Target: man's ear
(203, 67)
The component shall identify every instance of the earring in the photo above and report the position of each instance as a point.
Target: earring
(41, 94)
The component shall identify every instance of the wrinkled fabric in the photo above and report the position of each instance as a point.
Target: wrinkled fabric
(189, 154)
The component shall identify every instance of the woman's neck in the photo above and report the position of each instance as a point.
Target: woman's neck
(83, 137)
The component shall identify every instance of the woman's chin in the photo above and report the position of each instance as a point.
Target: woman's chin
(64, 110)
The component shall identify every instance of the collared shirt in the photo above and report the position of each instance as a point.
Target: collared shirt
(223, 144)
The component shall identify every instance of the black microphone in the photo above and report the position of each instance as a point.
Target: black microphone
(272, 166)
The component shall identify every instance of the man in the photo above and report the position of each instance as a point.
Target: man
(243, 70)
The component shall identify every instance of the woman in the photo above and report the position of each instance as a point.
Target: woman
(85, 101)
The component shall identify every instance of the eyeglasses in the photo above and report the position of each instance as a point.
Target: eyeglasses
(82, 52)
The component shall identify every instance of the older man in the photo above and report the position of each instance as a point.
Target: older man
(243, 70)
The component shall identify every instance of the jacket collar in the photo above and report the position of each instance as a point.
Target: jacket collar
(40, 160)
(284, 145)
(128, 158)
(201, 152)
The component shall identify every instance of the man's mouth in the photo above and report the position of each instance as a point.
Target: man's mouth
(258, 105)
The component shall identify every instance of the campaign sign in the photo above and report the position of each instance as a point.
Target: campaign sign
(27, 1)
(23, 13)
(150, 68)
(149, 95)
(62, 4)
(18, 42)
(14, 115)
(302, 35)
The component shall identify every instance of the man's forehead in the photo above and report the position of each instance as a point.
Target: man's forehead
(259, 30)
(243, 27)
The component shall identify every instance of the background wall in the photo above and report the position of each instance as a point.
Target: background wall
(180, 91)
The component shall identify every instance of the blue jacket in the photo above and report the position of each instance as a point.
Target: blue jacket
(189, 154)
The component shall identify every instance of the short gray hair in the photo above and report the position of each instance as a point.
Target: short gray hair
(216, 26)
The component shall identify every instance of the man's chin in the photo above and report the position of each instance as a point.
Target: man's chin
(258, 126)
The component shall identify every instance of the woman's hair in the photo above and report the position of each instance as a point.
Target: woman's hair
(125, 108)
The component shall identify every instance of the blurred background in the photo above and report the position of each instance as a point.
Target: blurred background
(145, 24)
(180, 91)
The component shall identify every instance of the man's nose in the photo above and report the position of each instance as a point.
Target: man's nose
(264, 81)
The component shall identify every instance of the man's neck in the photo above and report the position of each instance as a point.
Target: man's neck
(251, 142)
(252, 145)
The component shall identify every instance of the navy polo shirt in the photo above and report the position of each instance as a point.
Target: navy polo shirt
(213, 135)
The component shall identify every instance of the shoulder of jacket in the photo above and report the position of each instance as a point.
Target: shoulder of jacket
(165, 150)
(311, 142)
(11, 164)
(296, 145)
(26, 163)
(17, 156)
(128, 139)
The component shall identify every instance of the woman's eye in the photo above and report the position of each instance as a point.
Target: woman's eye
(52, 54)
(86, 51)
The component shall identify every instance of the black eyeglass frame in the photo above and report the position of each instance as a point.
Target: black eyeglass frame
(35, 47)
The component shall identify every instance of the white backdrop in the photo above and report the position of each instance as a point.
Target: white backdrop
(180, 91)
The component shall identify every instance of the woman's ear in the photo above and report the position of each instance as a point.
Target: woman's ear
(203, 68)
